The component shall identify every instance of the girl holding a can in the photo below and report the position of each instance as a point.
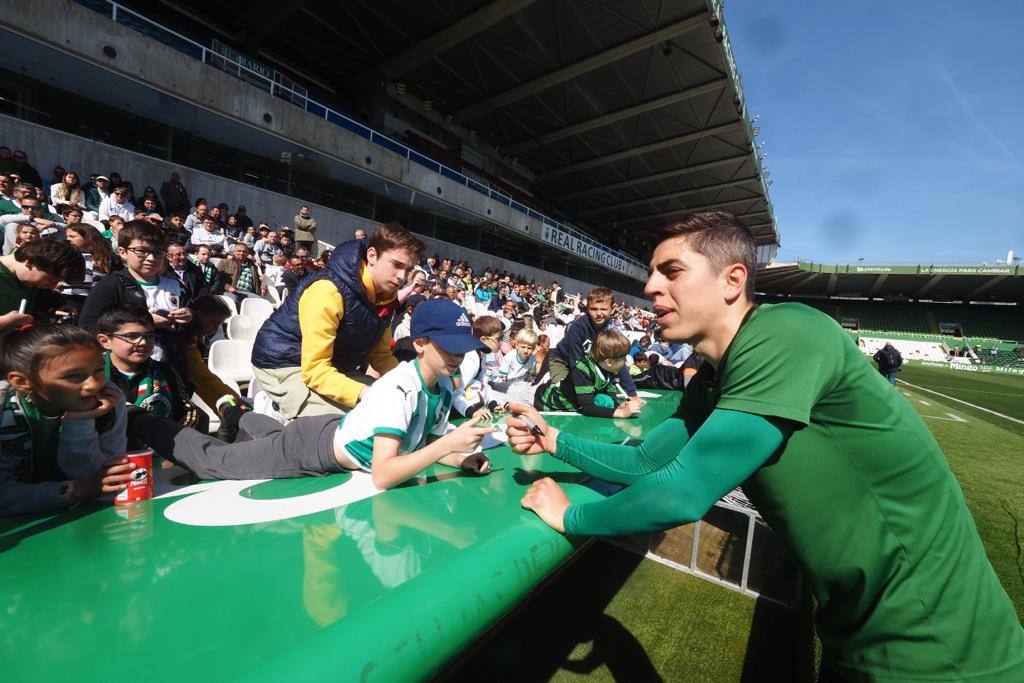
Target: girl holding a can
(62, 426)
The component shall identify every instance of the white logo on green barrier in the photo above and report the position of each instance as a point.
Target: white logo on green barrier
(221, 503)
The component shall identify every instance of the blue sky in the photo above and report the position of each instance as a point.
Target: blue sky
(895, 131)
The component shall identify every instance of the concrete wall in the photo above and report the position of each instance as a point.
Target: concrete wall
(83, 33)
(47, 147)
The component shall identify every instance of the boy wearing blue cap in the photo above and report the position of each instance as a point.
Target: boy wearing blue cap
(398, 429)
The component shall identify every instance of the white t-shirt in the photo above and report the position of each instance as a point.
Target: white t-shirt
(513, 369)
(398, 404)
(163, 295)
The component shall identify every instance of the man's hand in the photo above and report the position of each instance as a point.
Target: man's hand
(229, 289)
(108, 397)
(548, 500)
(521, 439)
(639, 402)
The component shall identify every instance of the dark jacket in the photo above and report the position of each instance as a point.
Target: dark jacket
(292, 281)
(575, 345)
(175, 198)
(120, 287)
(279, 342)
(193, 285)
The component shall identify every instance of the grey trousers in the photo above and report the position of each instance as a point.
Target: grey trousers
(302, 448)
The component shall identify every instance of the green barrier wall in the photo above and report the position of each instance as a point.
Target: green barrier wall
(387, 588)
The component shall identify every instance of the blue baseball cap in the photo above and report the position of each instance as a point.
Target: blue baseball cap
(447, 324)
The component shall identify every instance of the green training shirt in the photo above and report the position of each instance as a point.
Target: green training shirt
(864, 497)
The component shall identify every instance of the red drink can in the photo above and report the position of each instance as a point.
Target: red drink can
(140, 487)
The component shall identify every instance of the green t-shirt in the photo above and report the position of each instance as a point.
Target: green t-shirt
(864, 497)
(12, 291)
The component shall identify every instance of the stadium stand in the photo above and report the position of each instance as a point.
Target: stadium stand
(871, 316)
(994, 322)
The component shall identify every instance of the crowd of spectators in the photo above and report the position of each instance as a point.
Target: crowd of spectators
(152, 277)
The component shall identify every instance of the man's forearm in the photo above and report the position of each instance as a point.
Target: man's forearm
(624, 464)
(720, 456)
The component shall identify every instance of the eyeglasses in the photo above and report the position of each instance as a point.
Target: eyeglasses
(136, 338)
(32, 207)
(142, 252)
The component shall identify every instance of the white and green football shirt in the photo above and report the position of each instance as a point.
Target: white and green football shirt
(398, 404)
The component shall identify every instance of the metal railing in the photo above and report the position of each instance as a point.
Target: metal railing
(264, 78)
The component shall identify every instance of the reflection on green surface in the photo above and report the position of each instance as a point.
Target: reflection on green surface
(391, 587)
(289, 488)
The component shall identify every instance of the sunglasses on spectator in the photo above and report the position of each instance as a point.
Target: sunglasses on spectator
(31, 207)
(142, 252)
(136, 338)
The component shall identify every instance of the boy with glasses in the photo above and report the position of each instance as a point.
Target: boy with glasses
(128, 338)
(142, 245)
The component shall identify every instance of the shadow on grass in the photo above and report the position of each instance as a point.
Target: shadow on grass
(538, 642)
(535, 643)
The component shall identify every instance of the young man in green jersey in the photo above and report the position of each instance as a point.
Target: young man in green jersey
(839, 465)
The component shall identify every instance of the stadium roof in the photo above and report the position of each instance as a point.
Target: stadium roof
(937, 282)
(624, 112)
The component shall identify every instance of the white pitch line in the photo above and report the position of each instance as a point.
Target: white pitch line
(1005, 417)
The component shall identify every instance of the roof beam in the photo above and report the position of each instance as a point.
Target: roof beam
(928, 286)
(667, 196)
(879, 281)
(985, 286)
(652, 178)
(687, 210)
(472, 24)
(265, 17)
(637, 151)
(612, 117)
(581, 67)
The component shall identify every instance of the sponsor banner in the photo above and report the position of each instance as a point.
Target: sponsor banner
(912, 270)
(592, 252)
(963, 367)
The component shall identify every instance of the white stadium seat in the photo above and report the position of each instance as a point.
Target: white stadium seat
(230, 301)
(257, 307)
(243, 327)
(231, 359)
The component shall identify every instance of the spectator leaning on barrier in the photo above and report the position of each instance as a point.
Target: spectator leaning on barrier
(305, 229)
(312, 355)
(841, 467)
